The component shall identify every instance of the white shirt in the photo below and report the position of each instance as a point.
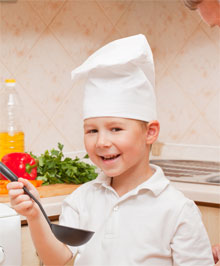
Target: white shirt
(152, 225)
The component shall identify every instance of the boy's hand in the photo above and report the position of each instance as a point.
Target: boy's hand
(20, 201)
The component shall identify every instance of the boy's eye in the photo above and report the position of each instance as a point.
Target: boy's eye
(91, 131)
(115, 129)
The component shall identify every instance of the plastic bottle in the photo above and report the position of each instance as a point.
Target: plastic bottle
(11, 132)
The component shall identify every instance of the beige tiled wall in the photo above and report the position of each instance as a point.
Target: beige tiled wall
(41, 41)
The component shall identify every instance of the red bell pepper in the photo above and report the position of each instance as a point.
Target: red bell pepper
(22, 164)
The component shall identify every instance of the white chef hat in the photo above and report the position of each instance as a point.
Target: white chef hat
(120, 80)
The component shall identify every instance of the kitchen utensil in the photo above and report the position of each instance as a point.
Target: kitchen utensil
(68, 235)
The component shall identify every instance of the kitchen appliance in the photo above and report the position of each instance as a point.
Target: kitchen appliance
(10, 236)
(68, 235)
(190, 171)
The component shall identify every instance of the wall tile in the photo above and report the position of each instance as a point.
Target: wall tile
(196, 68)
(48, 139)
(51, 62)
(20, 28)
(81, 27)
(175, 111)
(114, 9)
(68, 118)
(212, 113)
(171, 31)
(137, 19)
(113, 35)
(34, 120)
(4, 74)
(200, 133)
(47, 9)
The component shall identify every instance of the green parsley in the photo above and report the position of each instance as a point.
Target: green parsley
(54, 168)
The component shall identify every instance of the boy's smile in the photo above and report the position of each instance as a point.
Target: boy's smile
(110, 157)
(117, 145)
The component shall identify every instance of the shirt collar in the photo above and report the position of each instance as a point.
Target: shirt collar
(156, 183)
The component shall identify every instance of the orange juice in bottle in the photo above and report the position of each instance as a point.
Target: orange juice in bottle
(11, 133)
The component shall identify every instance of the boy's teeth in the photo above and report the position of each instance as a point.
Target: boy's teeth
(110, 157)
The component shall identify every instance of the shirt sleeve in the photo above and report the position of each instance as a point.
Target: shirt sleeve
(190, 244)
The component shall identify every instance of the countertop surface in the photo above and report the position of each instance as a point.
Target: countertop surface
(53, 195)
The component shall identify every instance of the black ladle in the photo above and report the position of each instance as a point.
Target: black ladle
(68, 235)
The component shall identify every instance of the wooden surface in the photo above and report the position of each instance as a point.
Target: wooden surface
(211, 220)
(49, 191)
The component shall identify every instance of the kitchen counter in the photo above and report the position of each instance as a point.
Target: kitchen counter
(200, 193)
(203, 193)
(52, 196)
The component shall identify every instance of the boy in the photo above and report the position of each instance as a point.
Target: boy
(137, 216)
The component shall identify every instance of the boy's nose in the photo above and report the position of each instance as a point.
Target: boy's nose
(103, 141)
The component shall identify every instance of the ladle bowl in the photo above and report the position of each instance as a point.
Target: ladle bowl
(68, 235)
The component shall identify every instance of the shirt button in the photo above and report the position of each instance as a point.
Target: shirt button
(115, 208)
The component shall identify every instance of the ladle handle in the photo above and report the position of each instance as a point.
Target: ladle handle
(12, 177)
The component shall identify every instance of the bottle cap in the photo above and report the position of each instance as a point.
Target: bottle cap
(10, 82)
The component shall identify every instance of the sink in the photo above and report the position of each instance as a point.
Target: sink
(214, 179)
(191, 171)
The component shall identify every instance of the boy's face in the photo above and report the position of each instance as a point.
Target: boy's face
(116, 145)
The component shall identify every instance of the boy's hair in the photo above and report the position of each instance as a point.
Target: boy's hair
(192, 4)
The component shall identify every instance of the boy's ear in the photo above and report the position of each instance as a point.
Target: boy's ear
(153, 129)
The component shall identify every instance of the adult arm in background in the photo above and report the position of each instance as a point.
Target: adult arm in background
(50, 250)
